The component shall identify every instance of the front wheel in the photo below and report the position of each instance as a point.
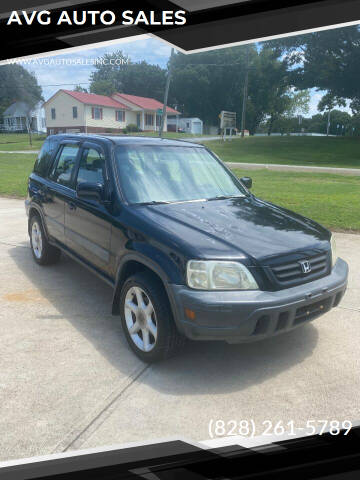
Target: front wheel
(147, 319)
(43, 252)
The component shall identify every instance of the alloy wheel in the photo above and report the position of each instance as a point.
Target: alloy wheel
(36, 240)
(140, 319)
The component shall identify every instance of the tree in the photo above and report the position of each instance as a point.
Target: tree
(19, 85)
(328, 60)
(103, 87)
(284, 107)
(117, 73)
(79, 88)
(205, 83)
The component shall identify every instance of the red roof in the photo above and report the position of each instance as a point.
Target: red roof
(146, 103)
(92, 99)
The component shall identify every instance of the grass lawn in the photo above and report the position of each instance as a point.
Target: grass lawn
(20, 141)
(14, 171)
(332, 200)
(316, 151)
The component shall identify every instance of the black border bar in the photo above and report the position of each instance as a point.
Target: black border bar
(306, 458)
(205, 28)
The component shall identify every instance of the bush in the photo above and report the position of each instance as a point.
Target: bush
(132, 128)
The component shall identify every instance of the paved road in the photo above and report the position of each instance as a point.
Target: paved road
(69, 381)
(20, 151)
(293, 168)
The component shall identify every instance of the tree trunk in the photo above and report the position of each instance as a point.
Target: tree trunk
(28, 124)
(271, 125)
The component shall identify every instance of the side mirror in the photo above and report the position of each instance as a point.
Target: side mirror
(247, 181)
(91, 191)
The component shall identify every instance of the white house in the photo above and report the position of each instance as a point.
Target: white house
(15, 118)
(188, 125)
(74, 112)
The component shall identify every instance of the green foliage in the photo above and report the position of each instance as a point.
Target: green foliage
(203, 84)
(132, 128)
(328, 60)
(18, 85)
(103, 87)
(117, 73)
(79, 88)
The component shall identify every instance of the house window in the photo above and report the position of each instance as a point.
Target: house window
(149, 119)
(97, 113)
(120, 115)
(75, 112)
(53, 114)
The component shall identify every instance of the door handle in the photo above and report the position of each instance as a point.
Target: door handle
(72, 206)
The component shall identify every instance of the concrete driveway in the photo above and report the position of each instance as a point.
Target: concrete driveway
(68, 380)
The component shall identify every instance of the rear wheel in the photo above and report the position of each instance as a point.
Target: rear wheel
(147, 319)
(43, 252)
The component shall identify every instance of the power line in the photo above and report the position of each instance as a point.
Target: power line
(62, 84)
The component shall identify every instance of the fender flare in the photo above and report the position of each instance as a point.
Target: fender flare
(35, 206)
(154, 267)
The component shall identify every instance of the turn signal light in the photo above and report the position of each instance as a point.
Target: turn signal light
(190, 314)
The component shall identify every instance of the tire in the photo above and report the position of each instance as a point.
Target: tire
(163, 339)
(43, 252)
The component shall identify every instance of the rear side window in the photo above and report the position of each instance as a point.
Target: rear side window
(64, 165)
(43, 161)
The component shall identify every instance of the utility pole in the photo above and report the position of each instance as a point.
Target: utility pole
(246, 86)
(167, 85)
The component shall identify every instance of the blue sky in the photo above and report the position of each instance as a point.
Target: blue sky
(54, 77)
(154, 51)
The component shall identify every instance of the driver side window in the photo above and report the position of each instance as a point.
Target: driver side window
(64, 164)
(92, 167)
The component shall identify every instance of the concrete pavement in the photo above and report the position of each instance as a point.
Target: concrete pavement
(69, 381)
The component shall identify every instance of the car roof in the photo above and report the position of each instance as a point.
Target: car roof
(128, 139)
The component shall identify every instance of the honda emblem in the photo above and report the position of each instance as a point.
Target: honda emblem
(305, 266)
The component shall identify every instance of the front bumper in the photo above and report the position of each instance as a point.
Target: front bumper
(244, 316)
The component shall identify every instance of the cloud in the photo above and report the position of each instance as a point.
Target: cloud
(59, 74)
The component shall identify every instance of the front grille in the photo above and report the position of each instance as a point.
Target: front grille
(292, 274)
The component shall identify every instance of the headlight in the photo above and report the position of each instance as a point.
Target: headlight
(213, 275)
(333, 251)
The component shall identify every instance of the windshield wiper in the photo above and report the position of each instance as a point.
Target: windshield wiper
(154, 202)
(224, 197)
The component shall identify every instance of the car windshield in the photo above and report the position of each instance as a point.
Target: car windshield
(166, 174)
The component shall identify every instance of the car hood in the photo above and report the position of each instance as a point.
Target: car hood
(235, 228)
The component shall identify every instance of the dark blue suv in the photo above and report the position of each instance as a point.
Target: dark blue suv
(188, 250)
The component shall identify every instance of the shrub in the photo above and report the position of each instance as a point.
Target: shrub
(132, 128)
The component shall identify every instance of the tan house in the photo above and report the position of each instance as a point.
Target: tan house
(79, 112)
